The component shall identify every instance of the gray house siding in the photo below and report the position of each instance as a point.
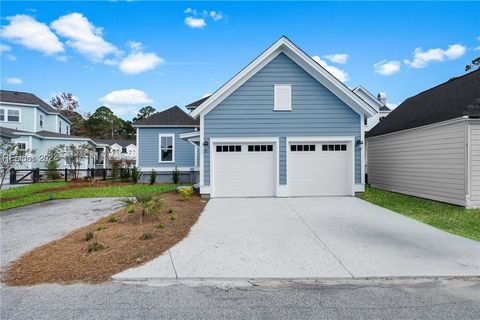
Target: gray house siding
(248, 112)
(148, 154)
(428, 162)
(474, 127)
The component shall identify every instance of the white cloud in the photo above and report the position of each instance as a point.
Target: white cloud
(135, 45)
(336, 72)
(337, 57)
(62, 58)
(5, 48)
(421, 58)
(126, 97)
(138, 62)
(387, 68)
(14, 81)
(83, 36)
(27, 31)
(190, 10)
(195, 22)
(216, 15)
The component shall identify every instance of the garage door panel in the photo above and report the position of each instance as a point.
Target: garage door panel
(322, 172)
(245, 173)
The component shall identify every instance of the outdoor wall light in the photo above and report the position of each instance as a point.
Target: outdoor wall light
(359, 142)
(205, 143)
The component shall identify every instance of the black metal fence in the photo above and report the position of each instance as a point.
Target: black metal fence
(42, 175)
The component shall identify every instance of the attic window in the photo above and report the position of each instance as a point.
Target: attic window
(282, 100)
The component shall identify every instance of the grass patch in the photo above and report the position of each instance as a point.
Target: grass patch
(26, 195)
(450, 218)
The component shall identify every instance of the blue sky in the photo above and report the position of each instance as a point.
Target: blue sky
(130, 54)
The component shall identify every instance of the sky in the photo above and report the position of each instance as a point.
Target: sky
(128, 54)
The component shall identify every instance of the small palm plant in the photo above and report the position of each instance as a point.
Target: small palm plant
(148, 203)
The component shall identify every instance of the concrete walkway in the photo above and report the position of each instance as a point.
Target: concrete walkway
(25, 228)
(299, 238)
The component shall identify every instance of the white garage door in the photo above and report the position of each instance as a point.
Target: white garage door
(244, 170)
(319, 169)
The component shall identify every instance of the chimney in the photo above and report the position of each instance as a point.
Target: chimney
(382, 97)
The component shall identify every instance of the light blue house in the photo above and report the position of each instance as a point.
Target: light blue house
(283, 126)
(32, 124)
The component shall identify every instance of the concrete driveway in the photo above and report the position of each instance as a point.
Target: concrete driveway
(25, 228)
(298, 238)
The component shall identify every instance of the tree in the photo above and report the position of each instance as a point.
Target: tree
(126, 131)
(475, 64)
(74, 155)
(67, 105)
(10, 157)
(103, 123)
(144, 113)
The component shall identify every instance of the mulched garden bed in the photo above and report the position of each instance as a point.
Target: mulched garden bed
(67, 260)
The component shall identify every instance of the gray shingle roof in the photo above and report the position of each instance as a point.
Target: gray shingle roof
(24, 97)
(173, 116)
(7, 132)
(123, 143)
(195, 104)
(453, 99)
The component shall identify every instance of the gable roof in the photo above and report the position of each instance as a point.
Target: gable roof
(110, 142)
(173, 116)
(195, 104)
(452, 99)
(284, 45)
(28, 98)
(368, 97)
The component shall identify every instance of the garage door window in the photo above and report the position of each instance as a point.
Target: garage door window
(302, 147)
(228, 148)
(260, 148)
(334, 147)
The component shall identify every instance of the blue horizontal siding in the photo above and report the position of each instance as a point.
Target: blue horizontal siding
(148, 148)
(248, 112)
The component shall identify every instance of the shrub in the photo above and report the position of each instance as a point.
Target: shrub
(170, 211)
(186, 193)
(149, 204)
(130, 208)
(176, 175)
(135, 174)
(94, 246)
(173, 216)
(52, 164)
(146, 235)
(115, 165)
(153, 177)
(160, 226)
(88, 236)
(124, 174)
(100, 227)
(112, 219)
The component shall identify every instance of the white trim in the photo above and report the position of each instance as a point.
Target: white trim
(41, 116)
(169, 169)
(359, 187)
(30, 147)
(164, 126)
(276, 89)
(362, 151)
(188, 135)
(167, 135)
(216, 140)
(56, 123)
(370, 96)
(35, 106)
(195, 150)
(137, 158)
(202, 155)
(303, 60)
(35, 120)
(348, 139)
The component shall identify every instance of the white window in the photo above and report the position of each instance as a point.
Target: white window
(13, 115)
(67, 131)
(41, 120)
(22, 147)
(59, 126)
(282, 100)
(2, 114)
(167, 148)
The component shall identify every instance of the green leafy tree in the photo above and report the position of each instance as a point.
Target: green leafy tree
(74, 155)
(475, 64)
(144, 113)
(103, 123)
(125, 131)
(67, 105)
(52, 164)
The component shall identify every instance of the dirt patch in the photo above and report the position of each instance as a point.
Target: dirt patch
(67, 260)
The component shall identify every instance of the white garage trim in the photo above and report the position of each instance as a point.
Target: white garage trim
(218, 140)
(346, 139)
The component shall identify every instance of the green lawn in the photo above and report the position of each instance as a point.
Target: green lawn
(450, 218)
(26, 195)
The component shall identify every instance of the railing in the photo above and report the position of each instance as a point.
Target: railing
(41, 175)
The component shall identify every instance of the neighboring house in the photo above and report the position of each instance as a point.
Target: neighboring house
(283, 126)
(34, 125)
(114, 149)
(379, 103)
(162, 149)
(429, 146)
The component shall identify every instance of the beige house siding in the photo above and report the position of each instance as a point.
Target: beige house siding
(428, 162)
(474, 127)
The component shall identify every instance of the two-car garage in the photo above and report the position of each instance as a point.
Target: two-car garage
(311, 166)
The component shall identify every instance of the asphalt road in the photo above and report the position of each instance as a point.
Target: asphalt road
(436, 299)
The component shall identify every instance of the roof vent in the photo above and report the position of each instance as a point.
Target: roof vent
(382, 97)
